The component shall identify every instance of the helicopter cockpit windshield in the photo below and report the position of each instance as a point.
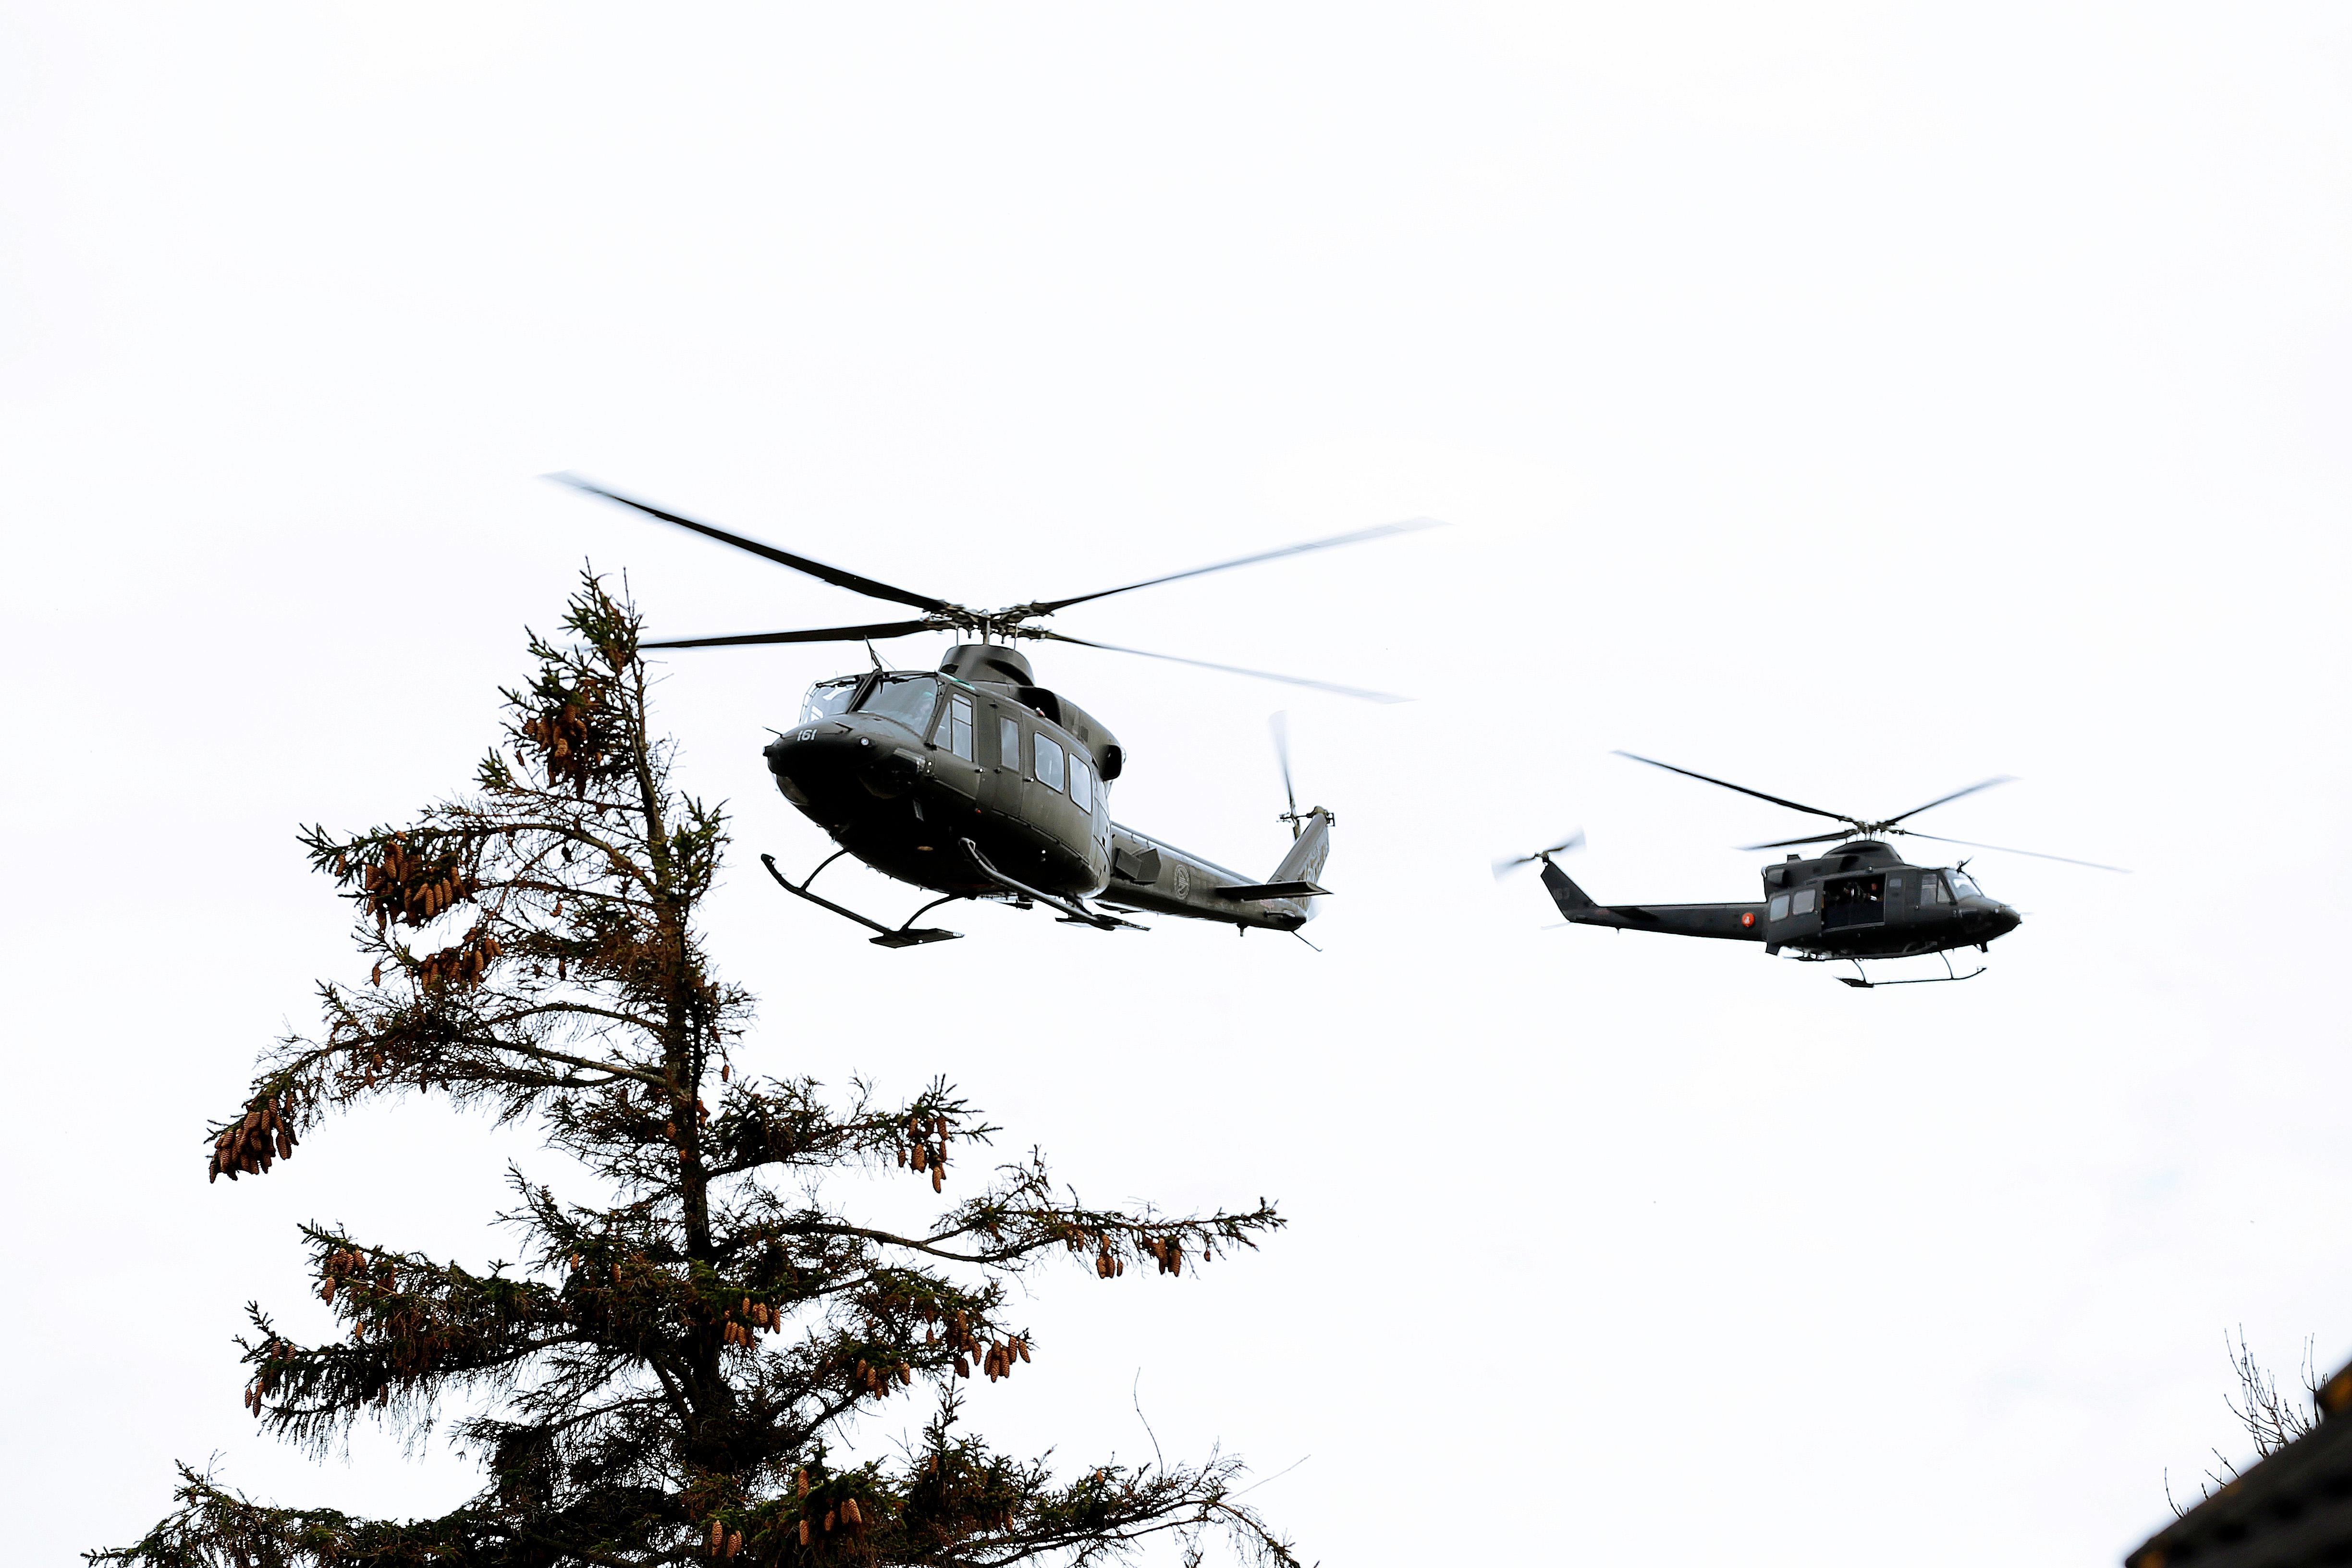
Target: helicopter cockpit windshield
(909, 699)
(828, 697)
(1961, 887)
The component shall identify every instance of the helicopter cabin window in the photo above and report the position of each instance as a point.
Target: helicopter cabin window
(1082, 782)
(1008, 743)
(1932, 890)
(1049, 762)
(906, 699)
(955, 727)
(1800, 902)
(1780, 909)
(828, 697)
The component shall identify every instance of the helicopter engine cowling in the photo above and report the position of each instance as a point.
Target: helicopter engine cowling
(988, 663)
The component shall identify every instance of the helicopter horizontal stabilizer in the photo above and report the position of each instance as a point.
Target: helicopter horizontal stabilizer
(1275, 891)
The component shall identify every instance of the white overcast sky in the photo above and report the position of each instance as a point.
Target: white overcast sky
(1853, 400)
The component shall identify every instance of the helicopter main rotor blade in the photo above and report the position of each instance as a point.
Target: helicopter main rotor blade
(1228, 668)
(1792, 843)
(2005, 849)
(1280, 725)
(1047, 607)
(1760, 795)
(1946, 799)
(817, 569)
(817, 634)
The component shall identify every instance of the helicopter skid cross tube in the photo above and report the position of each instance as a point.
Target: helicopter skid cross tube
(907, 935)
(1866, 983)
(1072, 912)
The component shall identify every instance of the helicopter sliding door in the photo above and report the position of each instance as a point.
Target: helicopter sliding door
(1000, 775)
(1848, 901)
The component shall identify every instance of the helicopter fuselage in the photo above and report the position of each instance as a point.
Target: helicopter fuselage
(1861, 900)
(978, 788)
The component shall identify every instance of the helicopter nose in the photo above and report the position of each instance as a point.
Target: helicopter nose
(810, 763)
(806, 761)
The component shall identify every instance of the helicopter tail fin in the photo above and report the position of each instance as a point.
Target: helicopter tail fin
(1305, 861)
(1574, 902)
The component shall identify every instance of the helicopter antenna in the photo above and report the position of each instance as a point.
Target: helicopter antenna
(1009, 624)
(875, 657)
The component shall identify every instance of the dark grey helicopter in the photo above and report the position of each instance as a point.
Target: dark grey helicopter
(1859, 900)
(975, 781)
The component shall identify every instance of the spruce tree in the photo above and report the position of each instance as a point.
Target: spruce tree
(667, 1373)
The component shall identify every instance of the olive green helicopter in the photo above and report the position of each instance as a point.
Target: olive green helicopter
(974, 782)
(1859, 900)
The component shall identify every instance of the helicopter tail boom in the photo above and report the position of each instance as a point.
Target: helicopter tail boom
(1148, 874)
(1730, 923)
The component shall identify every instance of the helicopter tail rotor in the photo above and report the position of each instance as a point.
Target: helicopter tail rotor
(1280, 724)
(1574, 841)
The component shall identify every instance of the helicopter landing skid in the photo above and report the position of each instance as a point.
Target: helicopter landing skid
(1866, 983)
(1071, 913)
(907, 935)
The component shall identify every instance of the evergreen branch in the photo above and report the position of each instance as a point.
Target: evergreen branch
(661, 1380)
